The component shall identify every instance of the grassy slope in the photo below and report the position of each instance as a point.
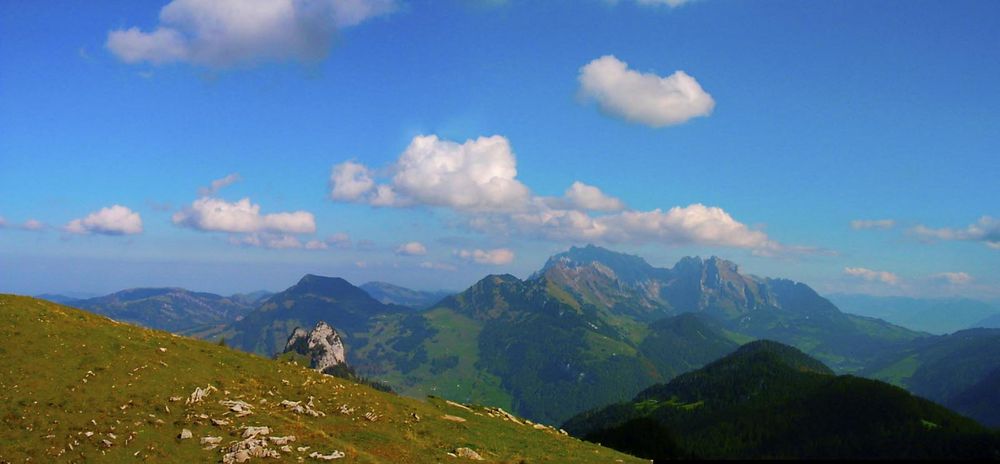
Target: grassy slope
(48, 350)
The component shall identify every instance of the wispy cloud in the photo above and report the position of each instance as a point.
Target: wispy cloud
(411, 249)
(953, 278)
(33, 225)
(872, 276)
(986, 230)
(438, 266)
(266, 240)
(219, 184)
(655, 3)
(644, 98)
(495, 257)
(882, 224)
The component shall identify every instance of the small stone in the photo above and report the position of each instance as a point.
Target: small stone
(251, 431)
(185, 434)
(327, 457)
(468, 453)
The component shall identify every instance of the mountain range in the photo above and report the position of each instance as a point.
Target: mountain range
(591, 327)
(393, 294)
(937, 316)
(170, 309)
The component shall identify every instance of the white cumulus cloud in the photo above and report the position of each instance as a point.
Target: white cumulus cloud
(883, 224)
(695, 224)
(588, 197)
(477, 180)
(872, 276)
(350, 181)
(496, 257)
(112, 220)
(645, 98)
(214, 214)
(986, 230)
(477, 175)
(225, 33)
(411, 249)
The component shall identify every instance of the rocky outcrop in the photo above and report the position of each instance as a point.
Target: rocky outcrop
(322, 346)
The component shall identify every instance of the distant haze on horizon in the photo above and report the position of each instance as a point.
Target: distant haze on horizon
(848, 145)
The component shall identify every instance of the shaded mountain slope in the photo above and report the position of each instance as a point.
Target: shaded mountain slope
(769, 400)
(314, 298)
(956, 370)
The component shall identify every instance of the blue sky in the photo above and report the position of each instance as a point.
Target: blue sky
(795, 119)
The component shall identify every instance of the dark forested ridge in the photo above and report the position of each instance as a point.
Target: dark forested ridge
(768, 400)
(960, 370)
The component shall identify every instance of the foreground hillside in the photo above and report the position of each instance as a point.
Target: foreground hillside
(80, 387)
(769, 400)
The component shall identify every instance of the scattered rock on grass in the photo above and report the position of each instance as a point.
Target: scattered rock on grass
(327, 457)
(468, 453)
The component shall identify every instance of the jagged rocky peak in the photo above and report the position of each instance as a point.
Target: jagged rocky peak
(619, 266)
(712, 272)
(322, 345)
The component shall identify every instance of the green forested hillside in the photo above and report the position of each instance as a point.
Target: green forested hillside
(959, 370)
(769, 400)
(76, 387)
(520, 343)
